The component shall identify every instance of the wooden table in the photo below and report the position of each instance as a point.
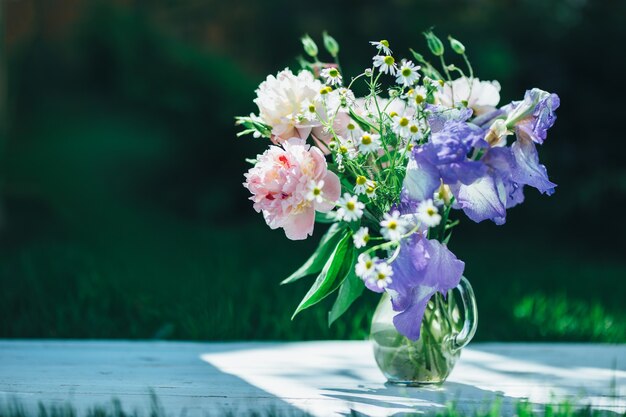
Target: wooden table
(322, 378)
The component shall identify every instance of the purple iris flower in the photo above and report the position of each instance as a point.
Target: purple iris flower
(490, 196)
(484, 189)
(439, 116)
(422, 268)
(534, 115)
(509, 169)
(444, 157)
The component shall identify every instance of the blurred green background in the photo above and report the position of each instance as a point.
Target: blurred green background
(121, 205)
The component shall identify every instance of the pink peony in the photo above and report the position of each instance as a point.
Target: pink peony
(280, 182)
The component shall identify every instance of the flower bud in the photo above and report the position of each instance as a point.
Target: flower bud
(456, 46)
(309, 46)
(434, 43)
(418, 57)
(331, 45)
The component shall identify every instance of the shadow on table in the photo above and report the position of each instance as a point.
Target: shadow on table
(422, 400)
(429, 400)
(127, 379)
(563, 367)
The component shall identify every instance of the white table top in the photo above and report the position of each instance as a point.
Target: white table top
(322, 378)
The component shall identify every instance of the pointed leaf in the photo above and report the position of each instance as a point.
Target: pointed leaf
(334, 271)
(317, 261)
(363, 124)
(351, 289)
(324, 217)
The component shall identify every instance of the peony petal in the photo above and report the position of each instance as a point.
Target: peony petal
(331, 190)
(300, 226)
(320, 163)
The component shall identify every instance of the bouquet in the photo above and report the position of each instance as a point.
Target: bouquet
(390, 170)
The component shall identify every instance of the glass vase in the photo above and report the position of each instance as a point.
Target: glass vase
(449, 323)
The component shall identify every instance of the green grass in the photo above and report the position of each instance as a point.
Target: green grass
(214, 284)
(492, 409)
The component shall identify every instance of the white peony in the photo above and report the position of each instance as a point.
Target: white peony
(281, 99)
(481, 96)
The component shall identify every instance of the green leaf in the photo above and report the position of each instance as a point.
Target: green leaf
(317, 261)
(363, 124)
(335, 270)
(351, 289)
(324, 217)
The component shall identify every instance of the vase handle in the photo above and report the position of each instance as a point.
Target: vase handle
(471, 315)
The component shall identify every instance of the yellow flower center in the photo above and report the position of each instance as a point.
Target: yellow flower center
(370, 190)
(366, 238)
(381, 276)
(404, 122)
(317, 191)
(393, 114)
(389, 60)
(413, 129)
(350, 205)
(419, 98)
(312, 108)
(366, 139)
(392, 225)
(406, 72)
(369, 264)
(333, 73)
(323, 91)
(361, 180)
(343, 149)
(431, 211)
(385, 43)
(351, 126)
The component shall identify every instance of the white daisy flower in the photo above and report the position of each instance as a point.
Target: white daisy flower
(414, 131)
(314, 191)
(382, 46)
(361, 237)
(323, 93)
(407, 74)
(382, 275)
(369, 142)
(362, 184)
(416, 95)
(350, 208)
(392, 226)
(309, 110)
(353, 131)
(386, 63)
(365, 266)
(331, 75)
(347, 148)
(402, 126)
(428, 214)
(371, 191)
